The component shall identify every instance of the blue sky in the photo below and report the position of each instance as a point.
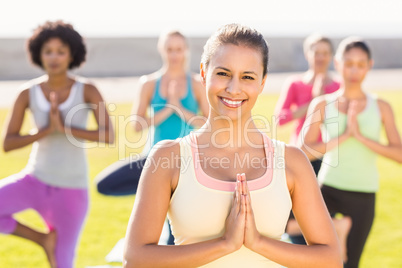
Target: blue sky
(335, 18)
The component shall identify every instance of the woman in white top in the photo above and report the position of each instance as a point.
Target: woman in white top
(227, 188)
(55, 180)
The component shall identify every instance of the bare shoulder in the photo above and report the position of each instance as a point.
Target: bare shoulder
(297, 165)
(295, 157)
(383, 105)
(319, 102)
(149, 79)
(167, 151)
(91, 93)
(90, 87)
(147, 83)
(22, 100)
(24, 94)
(165, 158)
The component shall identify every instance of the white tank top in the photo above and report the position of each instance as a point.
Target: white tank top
(200, 204)
(59, 159)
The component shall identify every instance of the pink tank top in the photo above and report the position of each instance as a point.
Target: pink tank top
(200, 204)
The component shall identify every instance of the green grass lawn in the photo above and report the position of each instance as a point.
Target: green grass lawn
(108, 216)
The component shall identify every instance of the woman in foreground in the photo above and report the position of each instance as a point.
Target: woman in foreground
(224, 213)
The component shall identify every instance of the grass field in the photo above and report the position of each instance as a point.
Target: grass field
(108, 216)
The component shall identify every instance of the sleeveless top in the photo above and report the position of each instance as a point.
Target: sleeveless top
(200, 204)
(351, 166)
(174, 126)
(59, 159)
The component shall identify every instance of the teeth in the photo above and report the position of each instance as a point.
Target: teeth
(232, 102)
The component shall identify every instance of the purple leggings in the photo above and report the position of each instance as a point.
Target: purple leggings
(62, 209)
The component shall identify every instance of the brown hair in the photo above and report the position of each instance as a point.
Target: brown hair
(166, 35)
(236, 34)
(352, 42)
(66, 33)
(314, 39)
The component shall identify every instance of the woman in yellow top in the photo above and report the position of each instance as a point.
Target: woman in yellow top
(227, 188)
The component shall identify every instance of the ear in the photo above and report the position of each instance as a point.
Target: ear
(371, 63)
(202, 74)
(263, 83)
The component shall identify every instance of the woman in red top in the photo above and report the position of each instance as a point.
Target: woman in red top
(301, 89)
(293, 104)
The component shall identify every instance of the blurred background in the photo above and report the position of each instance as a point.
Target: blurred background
(122, 35)
(121, 39)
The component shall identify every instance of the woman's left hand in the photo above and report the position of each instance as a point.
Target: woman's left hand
(55, 116)
(251, 234)
(173, 97)
(352, 118)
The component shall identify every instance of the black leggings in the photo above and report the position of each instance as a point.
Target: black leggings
(121, 178)
(360, 207)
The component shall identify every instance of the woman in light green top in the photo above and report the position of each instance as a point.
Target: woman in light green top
(351, 121)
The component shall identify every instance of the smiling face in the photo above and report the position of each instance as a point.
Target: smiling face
(233, 79)
(319, 56)
(354, 66)
(55, 56)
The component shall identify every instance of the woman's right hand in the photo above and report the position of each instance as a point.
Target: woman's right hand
(172, 96)
(351, 124)
(236, 220)
(55, 122)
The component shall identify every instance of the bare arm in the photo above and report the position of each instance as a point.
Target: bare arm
(288, 96)
(392, 150)
(310, 132)
(13, 139)
(143, 121)
(311, 213)
(149, 212)
(318, 90)
(300, 111)
(200, 96)
(104, 132)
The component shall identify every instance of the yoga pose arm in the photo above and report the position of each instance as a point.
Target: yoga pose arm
(283, 110)
(143, 121)
(149, 212)
(200, 96)
(310, 212)
(186, 115)
(105, 132)
(309, 143)
(393, 150)
(13, 139)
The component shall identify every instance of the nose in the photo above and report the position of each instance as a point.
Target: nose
(354, 70)
(234, 86)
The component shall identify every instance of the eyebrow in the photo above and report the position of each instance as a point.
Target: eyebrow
(226, 69)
